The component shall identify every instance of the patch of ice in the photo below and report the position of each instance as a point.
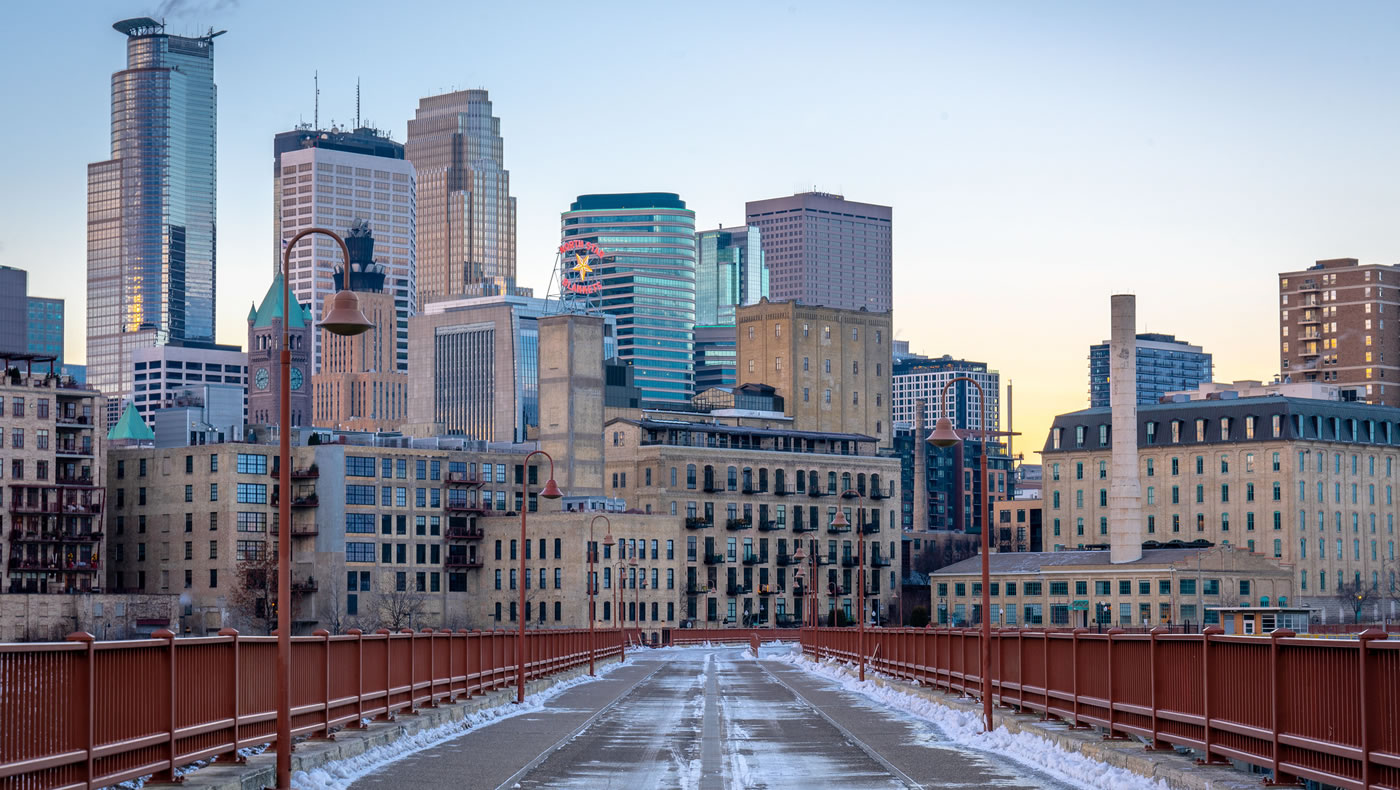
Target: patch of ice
(966, 729)
(341, 774)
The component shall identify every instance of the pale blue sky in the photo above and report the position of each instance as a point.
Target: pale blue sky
(1038, 155)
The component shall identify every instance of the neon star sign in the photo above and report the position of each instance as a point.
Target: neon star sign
(575, 278)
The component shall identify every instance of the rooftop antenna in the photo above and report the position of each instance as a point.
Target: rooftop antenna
(316, 118)
(357, 102)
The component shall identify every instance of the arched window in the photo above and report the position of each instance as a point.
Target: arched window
(845, 481)
(778, 479)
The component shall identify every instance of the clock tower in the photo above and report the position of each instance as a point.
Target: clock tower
(264, 368)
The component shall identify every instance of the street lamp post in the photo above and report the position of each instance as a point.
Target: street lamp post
(619, 599)
(592, 612)
(550, 491)
(842, 521)
(944, 436)
(343, 317)
(636, 596)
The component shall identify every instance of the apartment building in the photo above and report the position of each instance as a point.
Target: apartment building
(1083, 589)
(51, 458)
(1307, 483)
(754, 492)
(1332, 328)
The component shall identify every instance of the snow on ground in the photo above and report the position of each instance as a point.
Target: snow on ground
(966, 729)
(341, 774)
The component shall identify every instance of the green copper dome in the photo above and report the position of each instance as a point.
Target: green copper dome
(131, 428)
(271, 308)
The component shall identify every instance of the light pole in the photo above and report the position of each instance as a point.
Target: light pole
(798, 557)
(636, 596)
(944, 436)
(842, 521)
(550, 491)
(592, 612)
(343, 317)
(619, 584)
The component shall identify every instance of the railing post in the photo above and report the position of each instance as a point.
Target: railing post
(233, 756)
(1074, 676)
(1363, 649)
(1113, 634)
(168, 774)
(1157, 743)
(1020, 669)
(1276, 694)
(388, 714)
(325, 685)
(412, 661)
(432, 666)
(89, 698)
(1206, 634)
(359, 678)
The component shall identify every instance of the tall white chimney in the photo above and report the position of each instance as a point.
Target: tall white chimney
(1124, 491)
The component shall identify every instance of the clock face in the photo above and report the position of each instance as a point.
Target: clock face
(296, 378)
(260, 378)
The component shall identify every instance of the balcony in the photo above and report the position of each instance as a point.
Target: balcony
(736, 589)
(307, 473)
(749, 489)
(696, 588)
(711, 488)
(46, 564)
(752, 559)
(877, 494)
(786, 559)
(879, 562)
(766, 589)
(306, 500)
(799, 528)
(465, 533)
(836, 589)
(307, 585)
(463, 479)
(850, 562)
(714, 558)
(463, 561)
(771, 526)
(305, 530)
(465, 507)
(73, 449)
(73, 421)
(54, 536)
(782, 491)
(836, 528)
(84, 481)
(736, 524)
(870, 529)
(696, 522)
(815, 492)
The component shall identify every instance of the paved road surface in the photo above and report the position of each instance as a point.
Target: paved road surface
(705, 719)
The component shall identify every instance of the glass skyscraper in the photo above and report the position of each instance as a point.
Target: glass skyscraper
(729, 271)
(466, 216)
(1164, 364)
(151, 207)
(648, 282)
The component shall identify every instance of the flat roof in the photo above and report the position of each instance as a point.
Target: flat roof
(710, 427)
(1035, 561)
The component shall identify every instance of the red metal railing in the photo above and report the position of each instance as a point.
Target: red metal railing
(742, 636)
(1320, 709)
(91, 714)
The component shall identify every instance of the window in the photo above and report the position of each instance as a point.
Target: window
(252, 493)
(359, 495)
(249, 464)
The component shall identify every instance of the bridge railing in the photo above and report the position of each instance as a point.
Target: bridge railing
(734, 636)
(1319, 709)
(91, 714)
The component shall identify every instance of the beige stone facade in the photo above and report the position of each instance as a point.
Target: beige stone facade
(571, 400)
(51, 456)
(1082, 588)
(751, 492)
(51, 618)
(359, 387)
(830, 366)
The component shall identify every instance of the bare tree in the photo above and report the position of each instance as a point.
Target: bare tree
(335, 619)
(254, 595)
(395, 608)
(1356, 594)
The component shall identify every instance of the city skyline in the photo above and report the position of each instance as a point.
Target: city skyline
(1132, 147)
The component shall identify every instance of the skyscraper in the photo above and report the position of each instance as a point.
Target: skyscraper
(46, 327)
(647, 280)
(334, 179)
(14, 309)
(826, 250)
(1164, 364)
(729, 272)
(466, 216)
(1332, 328)
(151, 207)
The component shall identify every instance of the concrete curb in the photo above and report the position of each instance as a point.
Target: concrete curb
(260, 770)
(1178, 771)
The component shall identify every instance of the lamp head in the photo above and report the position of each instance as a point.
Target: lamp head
(343, 316)
(608, 539)
(943, 434)
(840, 520)
(551, 490)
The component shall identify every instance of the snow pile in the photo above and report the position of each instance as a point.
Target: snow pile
(341, 774)
(965, 729)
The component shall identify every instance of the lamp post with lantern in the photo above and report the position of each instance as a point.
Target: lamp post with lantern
(842, 521)
(593, 584)
(550, 491)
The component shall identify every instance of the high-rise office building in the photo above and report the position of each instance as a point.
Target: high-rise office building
(14, 309)
(729, 271)
(174, 374)
(46, 327)
(151, 206)
(334, 180)
(1332, 328)
(647, 280)
(919, 378)
(1164, 364)
(825, 250)
(466, 215)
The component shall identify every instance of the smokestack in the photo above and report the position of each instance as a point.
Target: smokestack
(1124, 491)
(920, 466)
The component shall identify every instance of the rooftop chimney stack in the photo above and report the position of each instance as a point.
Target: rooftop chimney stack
(1125, 491)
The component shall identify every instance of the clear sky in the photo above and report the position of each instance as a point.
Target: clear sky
(1038, 156)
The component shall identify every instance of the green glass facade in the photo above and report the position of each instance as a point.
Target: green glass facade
(648, 283)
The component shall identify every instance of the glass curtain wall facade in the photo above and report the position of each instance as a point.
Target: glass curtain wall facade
(466, 215)
(648, 283)
(151, 207)
(1164, 364)
(729, 271)
(46, 327)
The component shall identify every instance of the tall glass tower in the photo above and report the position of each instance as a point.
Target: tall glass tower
(648, 282)
(466, 216)
(151, 207)
(729, 272)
